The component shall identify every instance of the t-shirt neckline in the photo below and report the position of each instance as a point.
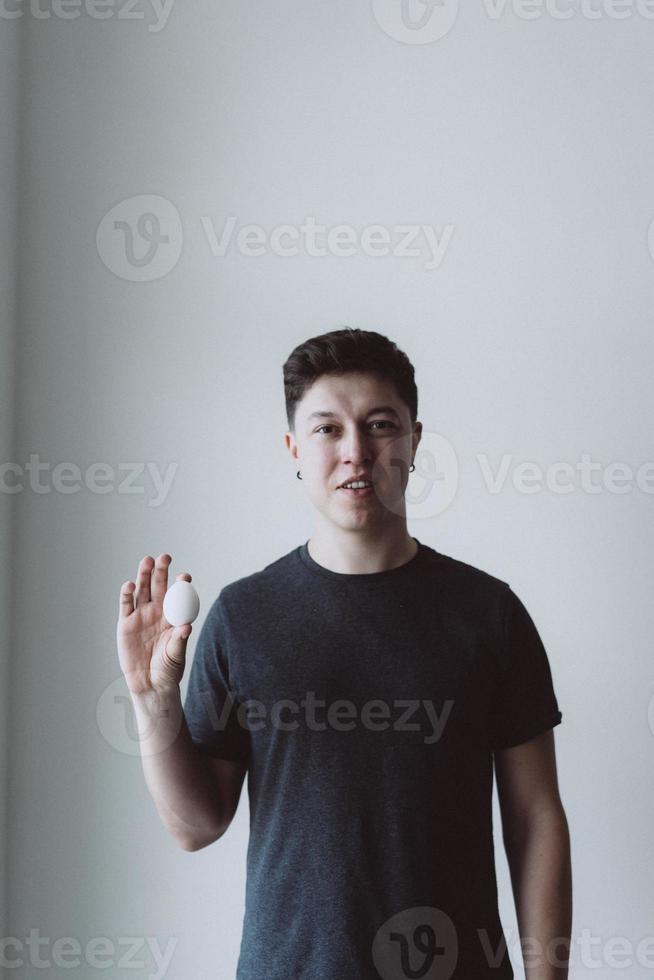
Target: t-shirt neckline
(303, 553)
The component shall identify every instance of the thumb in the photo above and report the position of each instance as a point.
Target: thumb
(176, 646)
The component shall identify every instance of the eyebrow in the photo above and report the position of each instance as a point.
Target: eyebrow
(380, 409)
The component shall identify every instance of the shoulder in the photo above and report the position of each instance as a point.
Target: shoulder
(462, 576)
(273, 577)
(468, 597)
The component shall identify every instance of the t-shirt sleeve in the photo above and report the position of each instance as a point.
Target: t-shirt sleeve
(211, 704)
(524, 703)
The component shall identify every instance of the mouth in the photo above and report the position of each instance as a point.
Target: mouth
(358, 488)
(366, 492)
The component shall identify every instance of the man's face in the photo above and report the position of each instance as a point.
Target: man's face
(349, 425)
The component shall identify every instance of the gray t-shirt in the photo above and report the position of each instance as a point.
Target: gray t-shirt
(367, 708)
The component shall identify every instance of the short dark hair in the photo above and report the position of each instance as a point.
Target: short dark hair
(343, 351)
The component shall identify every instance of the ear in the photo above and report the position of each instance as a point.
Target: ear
(417, 435)
(291, 444)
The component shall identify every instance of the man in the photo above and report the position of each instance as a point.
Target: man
(367, 684)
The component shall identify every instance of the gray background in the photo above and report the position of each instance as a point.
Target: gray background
(533, 338)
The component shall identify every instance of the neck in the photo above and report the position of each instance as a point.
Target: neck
(355, 552)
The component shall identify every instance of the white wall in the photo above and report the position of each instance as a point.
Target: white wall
(532, 138)
(10, 77)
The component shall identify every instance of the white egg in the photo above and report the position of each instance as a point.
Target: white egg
(181, 603)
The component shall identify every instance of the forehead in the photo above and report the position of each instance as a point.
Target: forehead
(349, 393)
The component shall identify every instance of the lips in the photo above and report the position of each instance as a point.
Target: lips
(354, 479)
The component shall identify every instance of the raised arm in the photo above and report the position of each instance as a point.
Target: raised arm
(196, 796)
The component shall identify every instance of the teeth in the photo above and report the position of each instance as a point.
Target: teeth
(359, 485)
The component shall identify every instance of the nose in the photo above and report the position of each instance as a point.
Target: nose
(354, 448)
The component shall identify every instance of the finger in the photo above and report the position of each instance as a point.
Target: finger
(176, 646)
(126, 604)
(183, 577)
(160, 577)
(143, 581)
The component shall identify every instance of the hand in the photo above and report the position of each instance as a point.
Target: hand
(152, 653)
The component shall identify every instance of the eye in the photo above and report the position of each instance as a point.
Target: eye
(382, 422)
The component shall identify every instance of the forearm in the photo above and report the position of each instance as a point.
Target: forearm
(540, 865)
(176, 772)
